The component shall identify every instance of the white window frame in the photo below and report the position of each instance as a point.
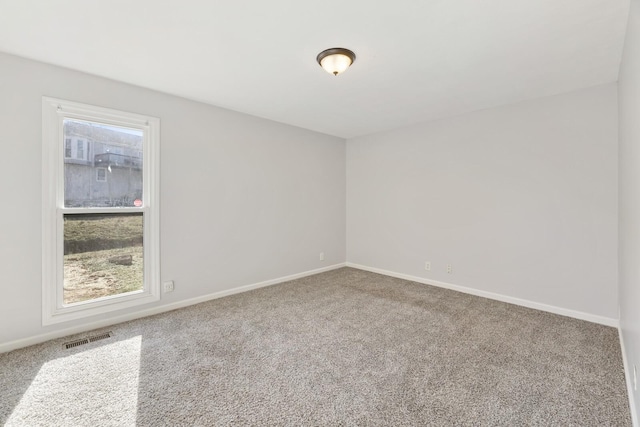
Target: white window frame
(54, 111)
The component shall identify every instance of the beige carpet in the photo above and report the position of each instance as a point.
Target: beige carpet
(346, 347)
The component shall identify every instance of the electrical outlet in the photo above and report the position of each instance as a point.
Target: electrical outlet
(168, 286)
(321, 256)
(449, 269)
(427, 266)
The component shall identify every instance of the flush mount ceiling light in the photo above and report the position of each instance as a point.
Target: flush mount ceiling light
(336, 60)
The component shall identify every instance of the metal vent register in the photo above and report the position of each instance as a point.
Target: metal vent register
(87, 340)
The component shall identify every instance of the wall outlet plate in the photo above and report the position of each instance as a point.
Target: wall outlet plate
(168, 286)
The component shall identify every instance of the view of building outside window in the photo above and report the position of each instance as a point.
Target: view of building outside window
(117, 150)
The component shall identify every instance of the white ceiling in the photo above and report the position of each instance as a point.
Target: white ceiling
(417, 60)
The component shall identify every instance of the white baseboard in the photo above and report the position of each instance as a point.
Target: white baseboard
(25, 342)
(498, 297)
(629, 381)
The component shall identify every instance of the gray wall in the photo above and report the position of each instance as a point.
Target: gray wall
(243, 200)
(521, 200)
(629, 246)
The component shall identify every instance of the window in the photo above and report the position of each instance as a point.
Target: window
(67, 148)
(100, 241)
(101, 175)
(80, 150)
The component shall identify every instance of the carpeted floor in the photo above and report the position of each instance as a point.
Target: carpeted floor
(346, 348)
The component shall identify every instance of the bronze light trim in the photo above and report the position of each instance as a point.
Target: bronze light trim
(336, 51)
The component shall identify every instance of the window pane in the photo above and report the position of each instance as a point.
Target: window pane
(103, 255)
(80, 150)
(115, 149)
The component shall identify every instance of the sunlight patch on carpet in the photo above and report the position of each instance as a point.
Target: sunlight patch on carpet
(107, 392)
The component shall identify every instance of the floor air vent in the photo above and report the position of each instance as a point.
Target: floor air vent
(84, 341)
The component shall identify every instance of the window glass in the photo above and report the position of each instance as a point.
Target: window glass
(103, 255)
(116, 150)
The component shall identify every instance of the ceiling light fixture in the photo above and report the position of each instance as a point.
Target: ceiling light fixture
(336, 60)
